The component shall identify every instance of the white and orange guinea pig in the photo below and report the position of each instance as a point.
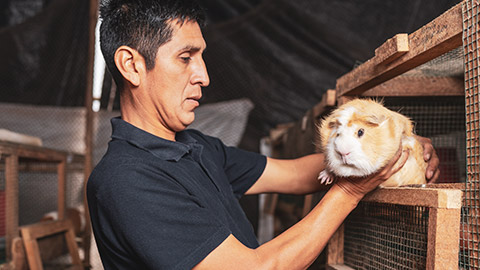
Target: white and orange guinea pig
(361, 136)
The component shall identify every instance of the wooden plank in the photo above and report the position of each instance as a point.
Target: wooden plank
(335, 247)
(443, 238)
(307, 204)
(32, 152)
(92, 22)
(329, 99)
(392, 49)
(413, 86)
(8, 135)
(11, 202)
(19, 259)
(428, 197)
(31, 234)
(432, 40)
(62, 187)
(338, 267)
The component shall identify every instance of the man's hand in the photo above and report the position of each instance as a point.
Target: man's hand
(430, 156)
(358, 187)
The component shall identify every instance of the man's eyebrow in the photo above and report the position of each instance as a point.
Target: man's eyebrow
(191, 48)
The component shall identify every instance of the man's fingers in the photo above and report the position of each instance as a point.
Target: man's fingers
(399, 164)
(434, 178)
(432, 167)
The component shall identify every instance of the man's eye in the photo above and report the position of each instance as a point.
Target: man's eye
(186, 59)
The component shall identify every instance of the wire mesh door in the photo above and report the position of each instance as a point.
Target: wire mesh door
(469, 238)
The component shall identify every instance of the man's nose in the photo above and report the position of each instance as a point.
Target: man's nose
(200, 74)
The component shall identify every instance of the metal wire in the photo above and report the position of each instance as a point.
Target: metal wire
(386, 236)
(469, 238)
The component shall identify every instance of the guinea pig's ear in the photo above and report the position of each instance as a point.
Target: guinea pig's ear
(325, 130)
(376, 120)
(333, 124)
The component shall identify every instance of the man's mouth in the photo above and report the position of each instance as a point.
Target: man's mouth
(193, 101)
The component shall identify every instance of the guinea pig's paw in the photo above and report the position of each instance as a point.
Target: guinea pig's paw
(325, 178)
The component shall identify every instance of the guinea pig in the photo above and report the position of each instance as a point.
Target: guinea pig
(361, 136)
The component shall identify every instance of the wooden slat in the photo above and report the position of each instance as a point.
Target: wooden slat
(62, 187)
(392, 49)
(19, 259)
(412, 86)
(428, 197)
(443, 238)
(432, 40)
(31, 233)
(11, 202)
(335, 247)
(32, 152)
(329, 99)
(338, 267)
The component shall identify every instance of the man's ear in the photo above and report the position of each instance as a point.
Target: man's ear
(130, 64)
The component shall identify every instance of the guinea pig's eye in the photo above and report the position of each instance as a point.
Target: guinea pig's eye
(360, 132)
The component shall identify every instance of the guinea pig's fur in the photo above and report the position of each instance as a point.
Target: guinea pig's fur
(362, 136)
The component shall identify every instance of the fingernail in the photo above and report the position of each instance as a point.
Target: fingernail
(429, 174)
(427, 156)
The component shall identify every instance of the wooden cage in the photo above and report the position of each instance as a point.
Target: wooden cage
(432, 227)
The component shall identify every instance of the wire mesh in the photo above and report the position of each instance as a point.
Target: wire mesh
(386, 236)
(469, 239)
(442, 119)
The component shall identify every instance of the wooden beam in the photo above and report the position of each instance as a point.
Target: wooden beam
(414, 196)
(93, 19)
(432, 40)
(329, 99)
(392, 49)
(335, 247)
(338, 267)
(418, 86)
(11, 202)
(443, 238)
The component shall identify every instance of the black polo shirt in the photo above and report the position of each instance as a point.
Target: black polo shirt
(159, 204)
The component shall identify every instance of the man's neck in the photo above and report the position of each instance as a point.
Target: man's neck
(144, 120)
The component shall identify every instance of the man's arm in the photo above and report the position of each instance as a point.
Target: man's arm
(295, 176)
(298, 247)
(299, 176)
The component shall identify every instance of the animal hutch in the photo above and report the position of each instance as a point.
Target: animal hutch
(430, 75)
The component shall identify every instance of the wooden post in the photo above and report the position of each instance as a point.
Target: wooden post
(11, 202)
(443, 240)
(93, 16)
(335, 247)
(62, 186)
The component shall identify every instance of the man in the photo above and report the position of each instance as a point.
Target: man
(164, 197)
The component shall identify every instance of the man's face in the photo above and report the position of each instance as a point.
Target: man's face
(174, 85)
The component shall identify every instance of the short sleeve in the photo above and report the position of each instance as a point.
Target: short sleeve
(243, 168)
(159, 222)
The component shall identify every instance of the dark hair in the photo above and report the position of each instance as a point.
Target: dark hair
(143, 25)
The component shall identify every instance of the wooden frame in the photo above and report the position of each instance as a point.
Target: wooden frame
(444, 202)
(32, 233)
(384, 75)
(432, 40)
(13, 154)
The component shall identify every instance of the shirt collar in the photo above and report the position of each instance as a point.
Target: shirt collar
(161, 148)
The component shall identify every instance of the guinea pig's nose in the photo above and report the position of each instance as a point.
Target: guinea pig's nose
(344, 154)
